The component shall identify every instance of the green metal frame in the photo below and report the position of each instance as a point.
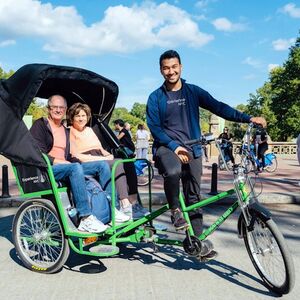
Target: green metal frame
(131, 231)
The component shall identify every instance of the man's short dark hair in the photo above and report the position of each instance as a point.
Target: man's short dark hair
(119, 122)
(169, 54)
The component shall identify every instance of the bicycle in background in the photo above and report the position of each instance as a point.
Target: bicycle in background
(225, 148)
(251, 162)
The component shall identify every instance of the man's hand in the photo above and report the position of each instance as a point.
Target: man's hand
(183, 154)
(260, 121)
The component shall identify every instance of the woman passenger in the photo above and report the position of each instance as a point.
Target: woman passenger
(86, 146)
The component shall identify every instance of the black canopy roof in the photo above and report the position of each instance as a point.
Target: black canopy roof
(43, 80)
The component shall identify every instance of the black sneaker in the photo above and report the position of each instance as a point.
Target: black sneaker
(178, 220)
(206, 247)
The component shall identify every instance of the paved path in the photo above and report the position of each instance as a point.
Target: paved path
(138, 273)
(281, 186)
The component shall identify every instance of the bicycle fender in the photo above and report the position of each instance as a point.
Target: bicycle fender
(255, 209)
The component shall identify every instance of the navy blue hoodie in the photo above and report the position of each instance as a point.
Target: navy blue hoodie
(195, 98)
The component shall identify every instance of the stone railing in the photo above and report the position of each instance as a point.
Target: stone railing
(279, 148)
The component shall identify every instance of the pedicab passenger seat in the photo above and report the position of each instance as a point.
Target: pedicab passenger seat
(34, 181)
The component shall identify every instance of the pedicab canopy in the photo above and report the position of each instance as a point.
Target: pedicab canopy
(43, 80)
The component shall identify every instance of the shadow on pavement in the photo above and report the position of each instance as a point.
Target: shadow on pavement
(5, 227)
(176, 258)
(170, 257)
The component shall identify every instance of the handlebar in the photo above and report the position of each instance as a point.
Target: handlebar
(203, 140)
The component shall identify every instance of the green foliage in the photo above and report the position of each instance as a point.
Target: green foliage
(5, 75)
(204, 119)
(122, 113)
(139, 111)
(237, 129)
(37, 110)
(278, 100)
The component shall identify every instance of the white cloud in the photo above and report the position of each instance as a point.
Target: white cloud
(272, 66)
(282, 44)
(122, 30)
(223, 24)
(255, 63)
(291, 10)
(7, 43)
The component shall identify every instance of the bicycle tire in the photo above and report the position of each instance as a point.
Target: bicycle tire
(221, 163)
(272, 249)
(272, 167)
(39, 238)
(143, 179)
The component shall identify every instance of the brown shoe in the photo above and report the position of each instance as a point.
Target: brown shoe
(178, 220)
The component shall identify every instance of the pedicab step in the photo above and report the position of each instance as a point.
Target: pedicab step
(105, 249)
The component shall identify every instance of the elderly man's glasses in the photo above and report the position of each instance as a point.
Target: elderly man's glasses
(55, 107)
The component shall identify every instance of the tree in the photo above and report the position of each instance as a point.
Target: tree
(279, 98)
(5, 75)
(139, 111)
(285, 86)
(204, 119)
(237, 129)
(122, 113)
(36, 110)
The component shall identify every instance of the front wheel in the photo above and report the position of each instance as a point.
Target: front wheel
(221, 163)
(39, 237)
(269, 254)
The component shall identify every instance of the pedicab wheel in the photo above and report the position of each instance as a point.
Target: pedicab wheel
(39, 237)
(270, 255)
(192, 246)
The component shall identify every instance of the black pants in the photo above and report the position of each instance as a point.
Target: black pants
(172, 170)
(262, 148)
(228, 151)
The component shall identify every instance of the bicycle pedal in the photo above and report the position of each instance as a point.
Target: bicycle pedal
(185, 227)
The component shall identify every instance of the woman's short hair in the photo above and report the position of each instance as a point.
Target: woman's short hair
(75, 109)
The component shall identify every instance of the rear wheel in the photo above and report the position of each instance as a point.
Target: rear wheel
(39, 238)
(271, 164)
(270, 255)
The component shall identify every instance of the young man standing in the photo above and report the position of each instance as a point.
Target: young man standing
(173, 118)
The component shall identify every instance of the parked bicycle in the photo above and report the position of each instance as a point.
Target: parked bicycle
(43, 231)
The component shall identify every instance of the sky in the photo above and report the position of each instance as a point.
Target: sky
(227, 47)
